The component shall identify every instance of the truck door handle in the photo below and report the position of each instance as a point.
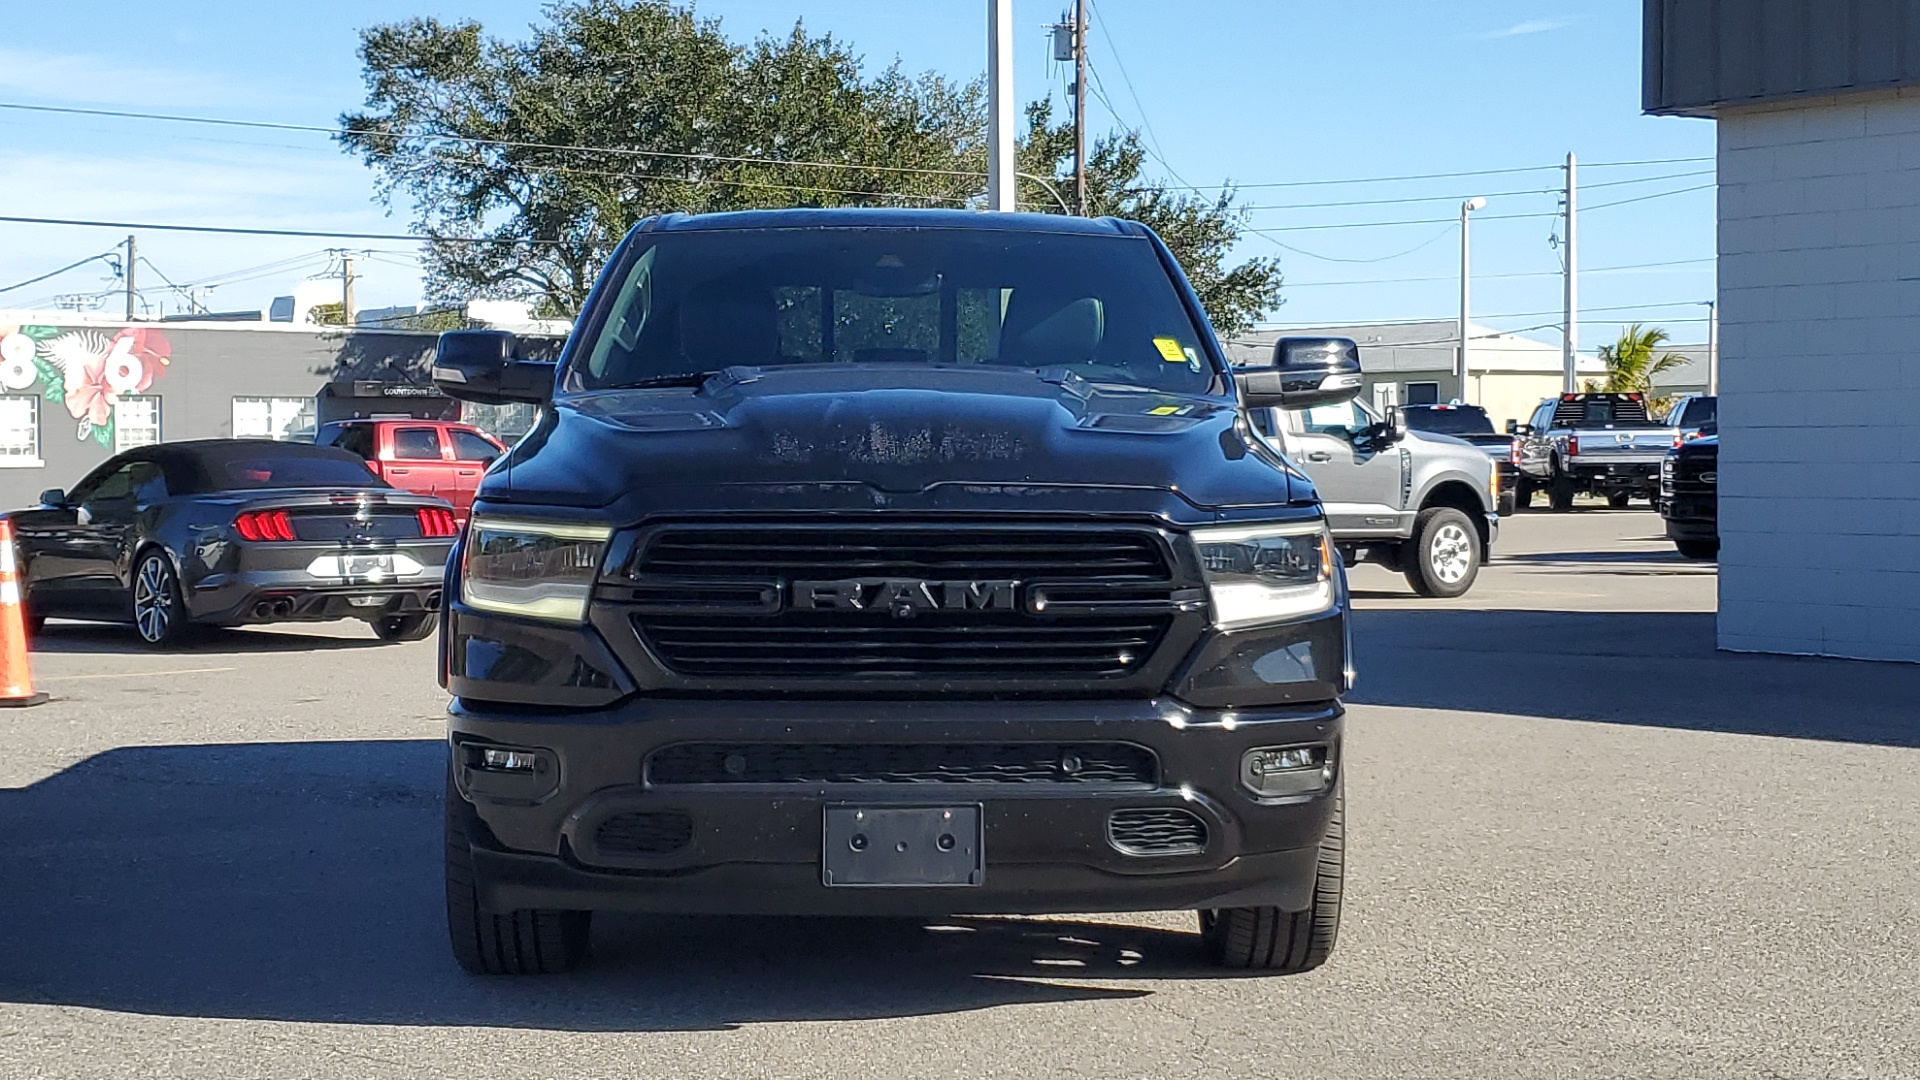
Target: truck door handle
(469, 472)
(397, 472)
(1319, 455)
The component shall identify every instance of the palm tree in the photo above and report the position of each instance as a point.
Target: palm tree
(1631, 363)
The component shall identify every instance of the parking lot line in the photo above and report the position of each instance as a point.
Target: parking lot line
(133, 674)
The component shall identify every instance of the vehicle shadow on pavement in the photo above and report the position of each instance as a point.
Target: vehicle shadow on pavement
(110, 640)
(302, 882)
(1657, 669)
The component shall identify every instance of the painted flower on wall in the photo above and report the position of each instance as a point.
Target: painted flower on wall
(84, 368)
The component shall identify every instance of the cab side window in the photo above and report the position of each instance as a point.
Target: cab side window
(1345, 421)
(416, 444)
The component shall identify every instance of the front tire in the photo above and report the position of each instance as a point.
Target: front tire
(1289, 942)
(404, 627)
(159, 614)
(1618, 499)
(1523, 490)
(525, 942)
(1698, 549)
(1443, 558)
(1560, 490)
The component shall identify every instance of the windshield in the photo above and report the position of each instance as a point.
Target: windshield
(1453, 420)
(699, 301)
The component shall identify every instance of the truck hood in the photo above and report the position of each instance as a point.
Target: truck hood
(854, 437)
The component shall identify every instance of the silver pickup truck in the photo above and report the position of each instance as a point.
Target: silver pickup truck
(1422, 503)
(1595, 444)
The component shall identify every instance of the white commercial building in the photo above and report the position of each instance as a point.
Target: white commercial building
(1818, 110)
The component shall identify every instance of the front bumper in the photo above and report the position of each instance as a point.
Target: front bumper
(757, 848)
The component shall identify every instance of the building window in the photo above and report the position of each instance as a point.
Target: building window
(19, 432)
(286, 419)
(136, 422)
(1423, 393)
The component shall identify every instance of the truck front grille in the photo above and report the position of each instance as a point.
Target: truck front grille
(914, 763)
(1068, 604)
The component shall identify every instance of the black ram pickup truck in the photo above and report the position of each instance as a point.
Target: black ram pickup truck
(1690, 494)
(879, 562)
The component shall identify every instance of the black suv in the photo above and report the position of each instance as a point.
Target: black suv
(871, 562)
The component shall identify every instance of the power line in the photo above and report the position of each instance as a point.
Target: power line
(1395, 202)
(1655, 195)
(56, 273)
(235, 230)
(1386, 224)
(1495, 277)
(1428, 242)
(123, 114)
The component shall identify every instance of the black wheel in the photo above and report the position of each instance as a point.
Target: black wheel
(1509, 502)
(404, 627)
(1444, 555)
(1285, 941)
(1698, 549)
(1560, 491)
(1523, 490)
(1618, 499)
(526, 942)
(159, 615)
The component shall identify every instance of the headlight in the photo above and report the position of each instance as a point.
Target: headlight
(1267, 573)
(533, 569)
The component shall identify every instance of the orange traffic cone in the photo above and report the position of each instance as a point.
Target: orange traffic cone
(16, 677)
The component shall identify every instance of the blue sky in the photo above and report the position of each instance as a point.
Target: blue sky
(1260, 92)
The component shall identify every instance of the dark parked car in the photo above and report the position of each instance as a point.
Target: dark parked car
(1471, 424)
(1690, 495)
(226, 532)
(890, 562)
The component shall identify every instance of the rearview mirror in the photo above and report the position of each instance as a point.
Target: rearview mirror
(53, 498)
(1306, 372)
(1513, 427)
(484, 366)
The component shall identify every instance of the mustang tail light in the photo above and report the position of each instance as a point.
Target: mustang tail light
(264, 525)
(435, 522)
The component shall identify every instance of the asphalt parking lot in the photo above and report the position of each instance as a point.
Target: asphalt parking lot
(1581, 844)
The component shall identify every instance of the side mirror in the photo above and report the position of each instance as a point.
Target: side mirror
(483, 366)
(1306, 372)
(1396, 425)
(53, 499)
(1513, 427)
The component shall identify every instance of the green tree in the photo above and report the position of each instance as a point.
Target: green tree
(681, 118)
(1635, 361)
(670, 106)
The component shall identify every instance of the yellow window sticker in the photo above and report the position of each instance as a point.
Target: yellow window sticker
(1170, 350)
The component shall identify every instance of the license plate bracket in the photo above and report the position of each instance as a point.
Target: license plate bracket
(869, 846)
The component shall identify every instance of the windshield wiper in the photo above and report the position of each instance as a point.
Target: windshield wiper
(683, 378)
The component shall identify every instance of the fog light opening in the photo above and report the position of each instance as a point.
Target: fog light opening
(501, 759)
(1287, 770)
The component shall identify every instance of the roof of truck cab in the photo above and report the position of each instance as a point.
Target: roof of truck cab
(889, 218)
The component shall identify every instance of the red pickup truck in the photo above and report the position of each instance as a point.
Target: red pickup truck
(427, 457)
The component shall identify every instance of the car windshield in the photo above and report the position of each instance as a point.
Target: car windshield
(292, 465)
(1101, 307)
(1451, 420)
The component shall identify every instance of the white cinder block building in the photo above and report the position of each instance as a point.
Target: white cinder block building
(1817, 103)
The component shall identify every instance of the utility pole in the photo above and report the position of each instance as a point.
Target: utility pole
(346, 289)
(131, 254)
(1080, 107)
(1000, 164)
(1570, 325)
(1713, 347)
(1462, 367)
